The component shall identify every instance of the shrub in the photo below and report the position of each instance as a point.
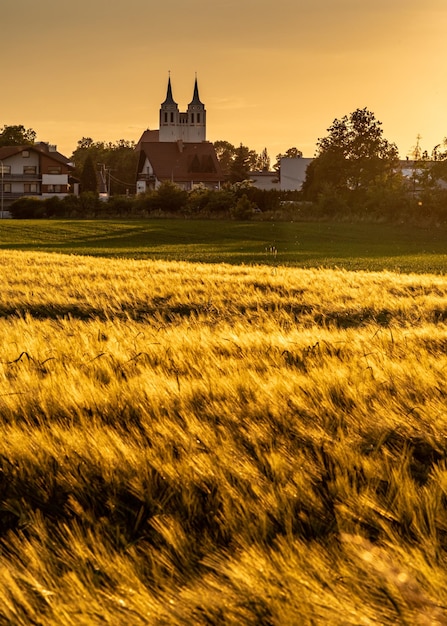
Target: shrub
(169, 198)
(28, 208)
(243, 209)
(120, 205)
(54, 207)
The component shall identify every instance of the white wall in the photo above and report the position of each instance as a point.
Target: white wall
(293, 173)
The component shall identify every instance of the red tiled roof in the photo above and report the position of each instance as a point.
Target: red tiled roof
(149, 135)
(182, 162)
(8, 151)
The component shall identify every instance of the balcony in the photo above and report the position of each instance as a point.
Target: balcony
(9, 178)
(147, 177)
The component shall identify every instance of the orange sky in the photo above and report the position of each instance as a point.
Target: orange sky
(271, 74)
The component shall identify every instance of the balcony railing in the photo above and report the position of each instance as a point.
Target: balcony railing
(15, 195)
(9, 178)
(147, 177)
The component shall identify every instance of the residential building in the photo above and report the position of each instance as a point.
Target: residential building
(178, 150)
(291, 175)
(34, 170)
(265, 180)
(187, 164)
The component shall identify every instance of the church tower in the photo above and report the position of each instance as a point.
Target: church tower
(189, 126)
(196, 117)
(169, 117)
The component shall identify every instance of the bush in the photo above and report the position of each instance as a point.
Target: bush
(71, 205)
(90, 204)
(169, 198)
(28, 208)
(243, 209)
(54, 207)
(120, 205)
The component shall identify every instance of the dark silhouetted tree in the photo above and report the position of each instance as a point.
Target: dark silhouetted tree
(263, 161)
(89, 176)
(240, 166)
(225, 152)
(119, 158)
(17, 136)
(354, 156)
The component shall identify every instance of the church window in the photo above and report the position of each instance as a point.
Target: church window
(192, 118)
(166, 118)
(198, 118)
(172, 118)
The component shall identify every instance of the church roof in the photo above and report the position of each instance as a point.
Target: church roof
(195, 97)
(149, 135)
(182, 162)
(169, 98)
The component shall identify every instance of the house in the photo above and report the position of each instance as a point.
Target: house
(178, 150)
(186, 164)
(291, 175)
(265, 180)
(34, 170)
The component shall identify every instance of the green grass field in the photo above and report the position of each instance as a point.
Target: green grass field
(350, 246)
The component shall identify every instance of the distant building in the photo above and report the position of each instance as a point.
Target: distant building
(265, 180)
(178, 150)
(37, 170)
(186, 164)
(291, 175)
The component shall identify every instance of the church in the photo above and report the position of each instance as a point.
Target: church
(178, 151)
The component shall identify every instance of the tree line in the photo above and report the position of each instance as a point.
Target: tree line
(356, 172)
(113, 165)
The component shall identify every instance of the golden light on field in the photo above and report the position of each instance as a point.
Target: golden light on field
(272, 75)
(216, 444)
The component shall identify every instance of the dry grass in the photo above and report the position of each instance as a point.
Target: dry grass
(192, 444)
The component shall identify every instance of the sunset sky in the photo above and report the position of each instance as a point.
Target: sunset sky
(271, 74)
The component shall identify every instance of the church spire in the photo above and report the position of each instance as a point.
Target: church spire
(195, 97)
(169, 98)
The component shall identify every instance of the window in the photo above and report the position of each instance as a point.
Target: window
(54, 188)
(6, 187)
(192, 118)
(25, 154)
(172, 118)
(198, 118)
(166, 118)
(6, 169)
(29, 169)
(54, 169)
(30, 187)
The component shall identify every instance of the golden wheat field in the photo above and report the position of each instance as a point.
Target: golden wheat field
(191, 444)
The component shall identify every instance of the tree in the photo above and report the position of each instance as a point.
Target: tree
(170, 198)
(89, 177)
(243, 209)
(290, 153)
(119, 159)
(17, 136)
(240, 166)
(263, 161)
(353, 156)
(225, 152)
(439, 156)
